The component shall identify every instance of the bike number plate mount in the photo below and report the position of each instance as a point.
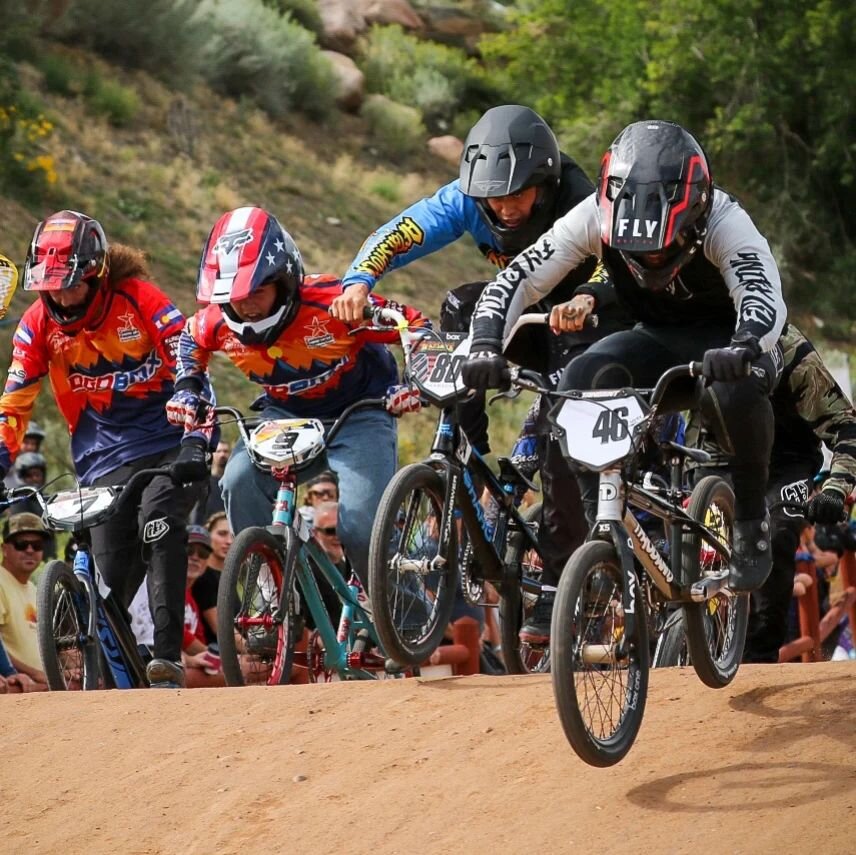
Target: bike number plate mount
(292, 441)
(599, 431)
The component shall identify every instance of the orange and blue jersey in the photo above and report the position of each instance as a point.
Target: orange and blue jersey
(111, 382)
(314, 368)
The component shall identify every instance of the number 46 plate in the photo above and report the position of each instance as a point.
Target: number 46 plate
(598, 431)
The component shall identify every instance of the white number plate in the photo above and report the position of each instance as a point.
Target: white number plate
(291, 441)
(435, 367)
(76, 507)
(599, 431)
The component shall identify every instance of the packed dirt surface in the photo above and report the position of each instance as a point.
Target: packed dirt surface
(475, 764)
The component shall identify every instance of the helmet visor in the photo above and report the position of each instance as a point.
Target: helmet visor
(55, 272)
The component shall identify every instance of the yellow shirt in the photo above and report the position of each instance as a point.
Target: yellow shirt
(18, 619)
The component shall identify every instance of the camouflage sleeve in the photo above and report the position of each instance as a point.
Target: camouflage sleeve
(822, 404)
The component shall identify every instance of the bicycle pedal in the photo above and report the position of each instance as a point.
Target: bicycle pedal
(710, 586)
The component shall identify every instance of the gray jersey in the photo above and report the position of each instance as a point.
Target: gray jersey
(735, 276)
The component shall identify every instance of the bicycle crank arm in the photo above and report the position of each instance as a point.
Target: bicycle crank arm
(422, 566)
(709, 587)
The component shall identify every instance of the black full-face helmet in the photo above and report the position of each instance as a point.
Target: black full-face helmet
(655, 194)
(509, 149)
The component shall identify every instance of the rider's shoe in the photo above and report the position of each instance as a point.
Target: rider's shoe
(536, 629)
(751, 555)
(164, 674)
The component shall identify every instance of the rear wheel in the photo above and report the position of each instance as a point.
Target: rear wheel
(412, 594)
(256, 626)
(600, 678)
(715, 629)
(69, 658)
(516, 603)
(672, 650)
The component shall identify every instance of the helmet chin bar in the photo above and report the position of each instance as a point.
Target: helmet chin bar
(255, 332)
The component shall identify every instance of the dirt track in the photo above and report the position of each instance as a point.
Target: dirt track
(473, 764)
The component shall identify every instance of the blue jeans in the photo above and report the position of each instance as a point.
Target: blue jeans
(364, 455)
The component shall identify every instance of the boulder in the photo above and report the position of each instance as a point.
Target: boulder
(350, 81)
(448, 148)
(390, 12)
(341, 23)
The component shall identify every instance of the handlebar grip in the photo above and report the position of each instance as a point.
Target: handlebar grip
(696, 369)
(368, 312)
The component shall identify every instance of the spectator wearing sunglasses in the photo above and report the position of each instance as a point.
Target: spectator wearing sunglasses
(321, 488)
(24, 541)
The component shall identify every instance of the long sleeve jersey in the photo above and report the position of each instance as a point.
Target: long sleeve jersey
(811, 408)
(734, 279)
(111, 383)
(314, 368)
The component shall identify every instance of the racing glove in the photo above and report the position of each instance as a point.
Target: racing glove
(191, 463)
(826, 507)
(728, 364)
(485, 369)
(402, 399)
(186, 409)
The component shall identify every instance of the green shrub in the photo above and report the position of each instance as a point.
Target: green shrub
(160, 36)
(386, 187)
(304, 12)
(395, 128)
(60, 75)
(254, 50)
(436, 79)
(117, 103)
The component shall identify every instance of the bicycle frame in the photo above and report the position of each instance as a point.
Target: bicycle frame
(103, 620)
(463, 466)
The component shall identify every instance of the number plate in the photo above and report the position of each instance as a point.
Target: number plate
(292, 441)
(598, 430)
(435, 366)
(77, 508)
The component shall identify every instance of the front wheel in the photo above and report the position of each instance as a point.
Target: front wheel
(516, 601)
(69, 656)
(600, 677)
(715, 629)
(256, 625)
(412, 590)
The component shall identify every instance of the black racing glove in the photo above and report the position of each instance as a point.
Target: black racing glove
(485, 369)
(727, 364)
(826, 507)
(191, 463)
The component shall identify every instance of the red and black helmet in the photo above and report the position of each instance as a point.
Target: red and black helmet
(68, 248)
(655, 193)
(248, 248)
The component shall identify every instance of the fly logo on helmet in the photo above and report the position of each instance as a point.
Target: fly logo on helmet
(638, 228)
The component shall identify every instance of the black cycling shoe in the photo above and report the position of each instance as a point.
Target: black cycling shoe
(165, 674)
(536, 629)
(751, 556)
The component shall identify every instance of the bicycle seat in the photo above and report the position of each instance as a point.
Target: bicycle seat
(509, 473)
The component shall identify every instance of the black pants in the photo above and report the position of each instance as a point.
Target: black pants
(741, 415)
(771, 605)
(149, 531)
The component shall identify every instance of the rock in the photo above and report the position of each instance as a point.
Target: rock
(448, 148)
(391, 12)
(350, 81)
(341, 23)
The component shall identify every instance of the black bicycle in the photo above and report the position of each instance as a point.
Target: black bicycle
(611, 585)
(432, 533)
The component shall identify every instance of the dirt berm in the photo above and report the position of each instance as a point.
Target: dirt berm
(470, 765)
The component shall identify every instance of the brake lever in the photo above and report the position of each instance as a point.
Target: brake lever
(511, 394)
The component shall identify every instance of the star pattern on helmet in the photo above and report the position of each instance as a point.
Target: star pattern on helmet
(271, 260)
(280, 246)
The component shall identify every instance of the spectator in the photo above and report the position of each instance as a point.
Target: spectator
(326, 518)
(321, 488)
(221, 539)
(212, 501)
(30, 470)
(201, 663)
(11, 682)
(205, 582)
(33, 438)
(24, 539)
